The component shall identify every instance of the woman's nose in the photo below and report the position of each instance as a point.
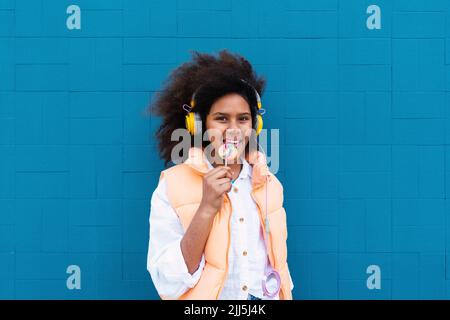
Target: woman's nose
(233, 125)
(233, 133)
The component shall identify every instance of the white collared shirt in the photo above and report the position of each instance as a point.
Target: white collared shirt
(247, 256)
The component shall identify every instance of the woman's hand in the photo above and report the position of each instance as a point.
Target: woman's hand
(215, 183)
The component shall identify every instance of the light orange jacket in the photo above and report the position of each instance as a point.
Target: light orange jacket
(184, 191)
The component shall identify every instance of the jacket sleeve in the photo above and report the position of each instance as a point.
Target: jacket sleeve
(290, 279)
(165, 261)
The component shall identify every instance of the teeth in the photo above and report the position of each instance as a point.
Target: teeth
(233, 141)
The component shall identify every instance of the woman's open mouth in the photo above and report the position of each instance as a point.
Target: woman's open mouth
(233, 137)
(236, 142)
(232, 141)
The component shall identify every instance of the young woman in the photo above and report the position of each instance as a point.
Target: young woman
(216, 231)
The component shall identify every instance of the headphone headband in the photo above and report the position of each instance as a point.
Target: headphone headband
(193, 121)
(258, 97)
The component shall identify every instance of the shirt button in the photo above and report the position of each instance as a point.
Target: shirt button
(235, 189)
(244, 288)
(241, 220)
(244, 253)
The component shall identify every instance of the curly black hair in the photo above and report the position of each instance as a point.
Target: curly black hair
(211, 77)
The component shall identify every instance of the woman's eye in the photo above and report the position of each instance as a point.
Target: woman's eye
(225, 119)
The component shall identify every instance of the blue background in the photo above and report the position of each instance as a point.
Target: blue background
(363, 120)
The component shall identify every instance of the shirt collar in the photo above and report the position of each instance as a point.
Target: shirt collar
(256, 159)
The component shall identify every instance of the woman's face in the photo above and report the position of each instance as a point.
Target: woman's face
(229, 119)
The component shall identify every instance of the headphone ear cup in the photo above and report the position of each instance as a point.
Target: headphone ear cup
(193, 123)
(190, 123)
(259, 124)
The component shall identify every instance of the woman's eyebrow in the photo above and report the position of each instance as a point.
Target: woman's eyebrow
(226, 114)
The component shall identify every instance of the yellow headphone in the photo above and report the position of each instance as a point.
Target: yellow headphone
(193, 120)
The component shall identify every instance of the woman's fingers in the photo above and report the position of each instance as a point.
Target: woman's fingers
(225, 187)
(222, 181)
(219, 172)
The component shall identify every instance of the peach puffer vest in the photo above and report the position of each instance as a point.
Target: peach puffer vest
(184, 191)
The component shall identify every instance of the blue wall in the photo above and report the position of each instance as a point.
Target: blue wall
(362, 115)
